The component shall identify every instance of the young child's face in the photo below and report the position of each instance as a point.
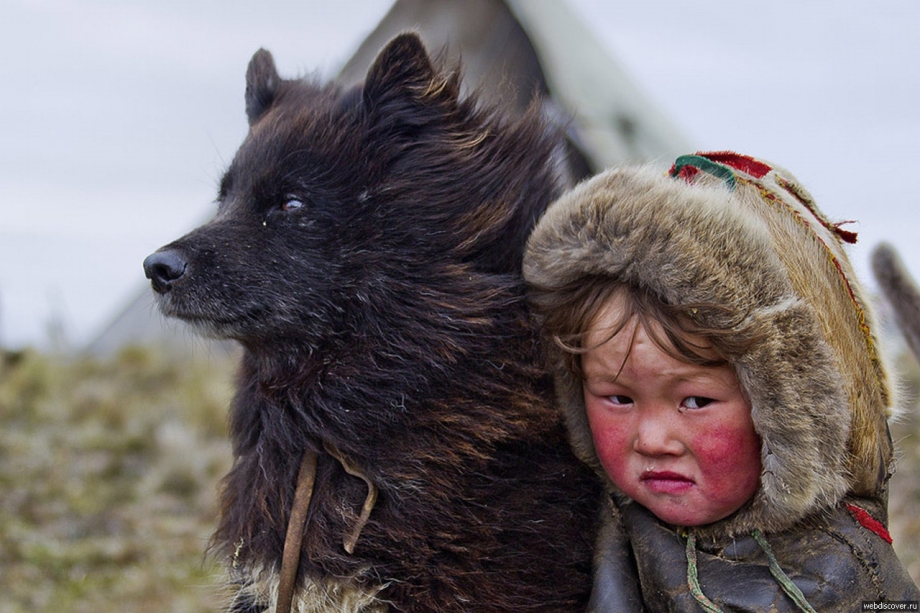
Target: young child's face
(674, 436)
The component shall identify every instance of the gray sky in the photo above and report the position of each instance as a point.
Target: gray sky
(117, 118)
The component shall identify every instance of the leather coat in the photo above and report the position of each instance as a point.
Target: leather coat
(833, 561)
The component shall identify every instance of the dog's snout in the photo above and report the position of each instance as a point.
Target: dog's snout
(163, 268)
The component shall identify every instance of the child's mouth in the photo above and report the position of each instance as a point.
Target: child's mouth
(666, 482)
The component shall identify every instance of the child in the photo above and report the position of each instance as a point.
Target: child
(718, 369)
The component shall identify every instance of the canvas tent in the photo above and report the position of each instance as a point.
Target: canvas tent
(511, 51)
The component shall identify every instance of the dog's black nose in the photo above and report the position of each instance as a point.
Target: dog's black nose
(163, 268)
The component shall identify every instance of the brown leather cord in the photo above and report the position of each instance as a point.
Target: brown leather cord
(306, 479)
(290, 558)
(351, 539)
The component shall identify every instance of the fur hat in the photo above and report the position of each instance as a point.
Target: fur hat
(735, 231)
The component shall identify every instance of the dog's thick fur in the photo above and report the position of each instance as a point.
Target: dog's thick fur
(367, 255)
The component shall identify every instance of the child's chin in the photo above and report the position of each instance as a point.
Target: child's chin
(683, 517)
(680, 521)
(677, 512)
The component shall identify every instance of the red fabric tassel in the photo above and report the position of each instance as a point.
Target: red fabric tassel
(845, 235)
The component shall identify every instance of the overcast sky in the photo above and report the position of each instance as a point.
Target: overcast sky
(117, 118)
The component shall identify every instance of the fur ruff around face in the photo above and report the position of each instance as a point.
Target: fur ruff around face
(752, 240)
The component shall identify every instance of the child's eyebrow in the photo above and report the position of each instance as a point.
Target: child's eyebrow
(711, 380)
(701, 373)
(694, 375)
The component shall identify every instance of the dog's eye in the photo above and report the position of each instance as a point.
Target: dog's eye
(292, 204)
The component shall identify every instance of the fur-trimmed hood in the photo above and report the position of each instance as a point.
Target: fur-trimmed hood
(735, 231)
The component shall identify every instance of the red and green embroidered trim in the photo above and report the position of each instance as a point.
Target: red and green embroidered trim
(686, 167)
(744, 163)
(719, 164)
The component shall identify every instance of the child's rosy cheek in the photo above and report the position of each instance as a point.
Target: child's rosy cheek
(611, 443)
(608, 430)
(729, 453)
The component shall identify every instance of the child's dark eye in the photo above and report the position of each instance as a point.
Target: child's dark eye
(620, 399)
(696, 402)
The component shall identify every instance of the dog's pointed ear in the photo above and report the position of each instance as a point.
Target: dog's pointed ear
(261, 84)
(402, 80)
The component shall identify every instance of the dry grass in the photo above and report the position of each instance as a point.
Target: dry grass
(904, 501)
(108, 475)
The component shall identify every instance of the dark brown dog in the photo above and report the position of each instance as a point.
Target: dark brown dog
(366, 253)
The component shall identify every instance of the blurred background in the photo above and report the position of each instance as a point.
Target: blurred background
(119, 117)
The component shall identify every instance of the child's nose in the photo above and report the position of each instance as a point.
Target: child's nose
(658, 434)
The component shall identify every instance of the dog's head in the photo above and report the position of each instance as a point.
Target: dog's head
(360, 197)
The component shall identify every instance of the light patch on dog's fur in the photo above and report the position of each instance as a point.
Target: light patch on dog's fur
(331, 596)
